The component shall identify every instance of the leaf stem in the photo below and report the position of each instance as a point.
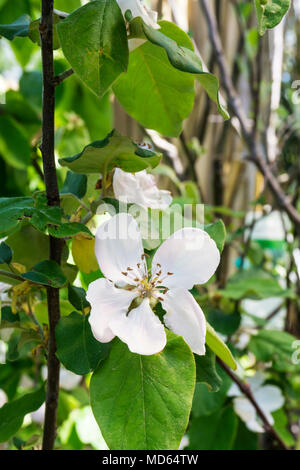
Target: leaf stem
(55, 244)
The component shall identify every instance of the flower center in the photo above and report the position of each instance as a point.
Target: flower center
(147, 284)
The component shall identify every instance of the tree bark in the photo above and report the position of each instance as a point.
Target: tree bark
(55, 246)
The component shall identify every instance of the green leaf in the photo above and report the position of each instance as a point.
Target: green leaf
(206, 370)
(281, 425)
(224, 323)
(254, 284)
(34, 32)
(269, 13)
(185, 59)
(75, 184)
(77, 297)
(152, 91)
(20, 28)
(12, 413)
(100, 52)
(14, 145)
(217, 232)
(113, 151)
(206, 402)
(143, 402)
(5, 253)
(214, 432)
(275, 346)
(219, 347)
(77, 348)
(15, 210)
(48, 273)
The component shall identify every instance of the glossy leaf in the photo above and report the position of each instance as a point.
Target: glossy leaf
(219, 347)
(5, 253)
(270, 12)
(83, 251)
(152, 91)
(113, 151)
(77, 297)
(182, 58)
(75, 184)
(47, 273)
(100, 52)
(217, 232)
(12, 413)
(143, 402)
(20, 28)
(77, 348)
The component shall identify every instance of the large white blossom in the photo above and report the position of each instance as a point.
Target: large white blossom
(268, 397)
(140, 188)
(186, 258)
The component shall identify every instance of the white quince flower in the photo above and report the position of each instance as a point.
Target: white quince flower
(3, 397)
(186, 258)
(140, 188)
(138, 8)
(268, 397)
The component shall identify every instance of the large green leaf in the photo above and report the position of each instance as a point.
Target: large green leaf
(14, 210)
(47, 273)
(19, 28)
(77, 348)
(113, 151)
(94, 41)
(152, 91)
(270, 12)
(143, 402)
(5, 253)
(182, 58)
(12, 413)
(219, 347)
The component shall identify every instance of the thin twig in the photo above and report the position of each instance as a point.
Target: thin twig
(55, 244)
(246, 130)
(62, 76)
(245, 389)
(11, 275)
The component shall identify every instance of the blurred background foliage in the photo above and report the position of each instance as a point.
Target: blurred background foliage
(253, 302)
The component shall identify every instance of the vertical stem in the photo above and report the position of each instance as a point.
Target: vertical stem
(47, 148)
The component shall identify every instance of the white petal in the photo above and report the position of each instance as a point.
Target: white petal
(244, 408)
(140, 188)
(141, 330)
(269, 398)
(138, 8)
(185, 318)
(190, 254)
(256, 381)
(107, 302)
(118, 245)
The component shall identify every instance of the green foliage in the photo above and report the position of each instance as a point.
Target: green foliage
(145, 403)
(47, 273)
(77, 348)
(20, 28)
(270, 13)
(113, 151)
(75, 184)
(217, 232)
(219, 347)
(14, 144)
(14, 210)
(76, 296)
(274, 346)
(169, 91)
(100, 53)
(12, 413)
(206, 370)
(214, 432)
(5, 253)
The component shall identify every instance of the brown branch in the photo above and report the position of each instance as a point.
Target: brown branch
(245, 389)
(235, 104)
(62, 76)
(47, 149)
